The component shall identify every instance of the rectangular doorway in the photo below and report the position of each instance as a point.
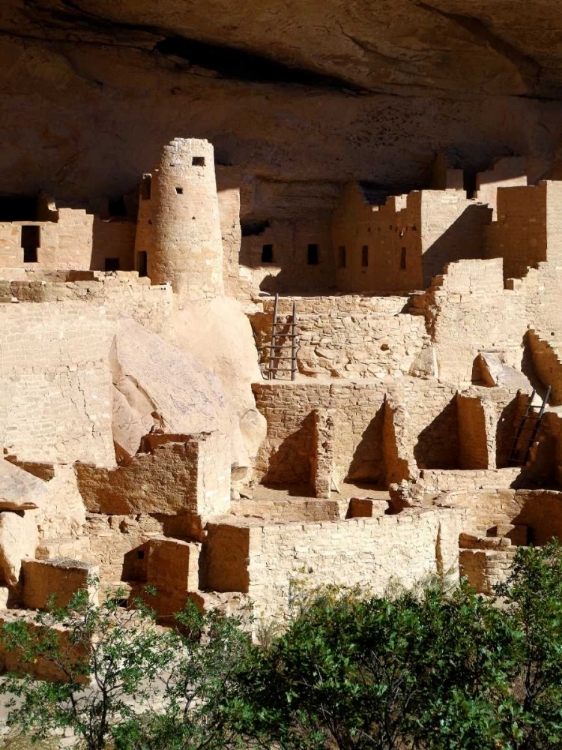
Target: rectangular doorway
(30, 242)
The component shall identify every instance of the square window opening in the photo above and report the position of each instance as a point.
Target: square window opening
(267, 254)
(198, 161)
(342, 257)
(312, 255)
(365, 256)
(179, 190)
(30, 242)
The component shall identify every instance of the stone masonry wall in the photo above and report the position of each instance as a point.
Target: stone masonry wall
(348, 337)
(372, 552)
(55, 383)
(78, 240)
(121, 293)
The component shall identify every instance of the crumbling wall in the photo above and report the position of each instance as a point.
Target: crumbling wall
(178, 475)
(520, 234)
(452, 227)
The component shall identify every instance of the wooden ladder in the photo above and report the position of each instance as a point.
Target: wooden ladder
(283, 346)
(527, 431)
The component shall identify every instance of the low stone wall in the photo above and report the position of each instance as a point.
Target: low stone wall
(265, 559)
(452, 480)
(484, 569)
(120, 293)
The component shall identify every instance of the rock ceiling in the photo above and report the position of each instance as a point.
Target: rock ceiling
(293, 89)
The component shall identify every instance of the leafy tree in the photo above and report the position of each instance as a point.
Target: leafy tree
(532, 602)
(116, 665)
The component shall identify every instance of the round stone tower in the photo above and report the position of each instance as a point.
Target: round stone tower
(185, 233)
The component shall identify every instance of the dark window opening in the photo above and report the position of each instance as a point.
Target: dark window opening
(140, 555)
(365, 256)
(342, 257)
(146, 187)
(312, 255)
(142, 263)
(121, 603)
(112, 264)
(30, 241)
(18, 208)
(267, 254)
(117, 207)
(403, 259)
(198, 161)
(469, 182)
(179, 190)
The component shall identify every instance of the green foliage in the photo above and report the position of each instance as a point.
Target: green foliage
(437, 668)
(116, 664)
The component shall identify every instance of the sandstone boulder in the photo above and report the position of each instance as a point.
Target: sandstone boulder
(218, 335)
(20, 490)
(18, 540)
(494, 372)
(160, 388)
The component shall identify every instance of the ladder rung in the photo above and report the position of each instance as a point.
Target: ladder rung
(284, 369)
(285, 335)
(280, 359)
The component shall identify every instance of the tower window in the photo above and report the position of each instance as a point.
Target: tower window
(142, 263)
(146, 187)
(403, 259)
(30, 241)
(342, 256)
(267, 254)
(312, 255)
(112, 264)
(365, 256)
(179, 190)
(198, 161)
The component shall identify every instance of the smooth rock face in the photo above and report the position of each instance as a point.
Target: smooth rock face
(331, 90)
(20, 490)
(497, 373)
(161, 388)
(18, 540)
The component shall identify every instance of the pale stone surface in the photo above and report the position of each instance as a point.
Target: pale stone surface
(217, 335)
(165, 388)
(19, 490)
(18, 540)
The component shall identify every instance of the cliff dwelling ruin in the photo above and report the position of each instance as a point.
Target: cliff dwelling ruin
(331, 351)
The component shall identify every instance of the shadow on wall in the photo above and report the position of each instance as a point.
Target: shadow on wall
(290, 463)
(113, 245)
(437, 446)
(464, 239)
(368, 463)
(506, 429)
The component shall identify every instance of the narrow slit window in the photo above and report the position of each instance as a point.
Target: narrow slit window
(112, 264)
(198, 161)
(342, 260)
(365, 256)
(142, 263)
(403, 259)
(312, 255)
(267, 254)
(179, 190)
(30, 242)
